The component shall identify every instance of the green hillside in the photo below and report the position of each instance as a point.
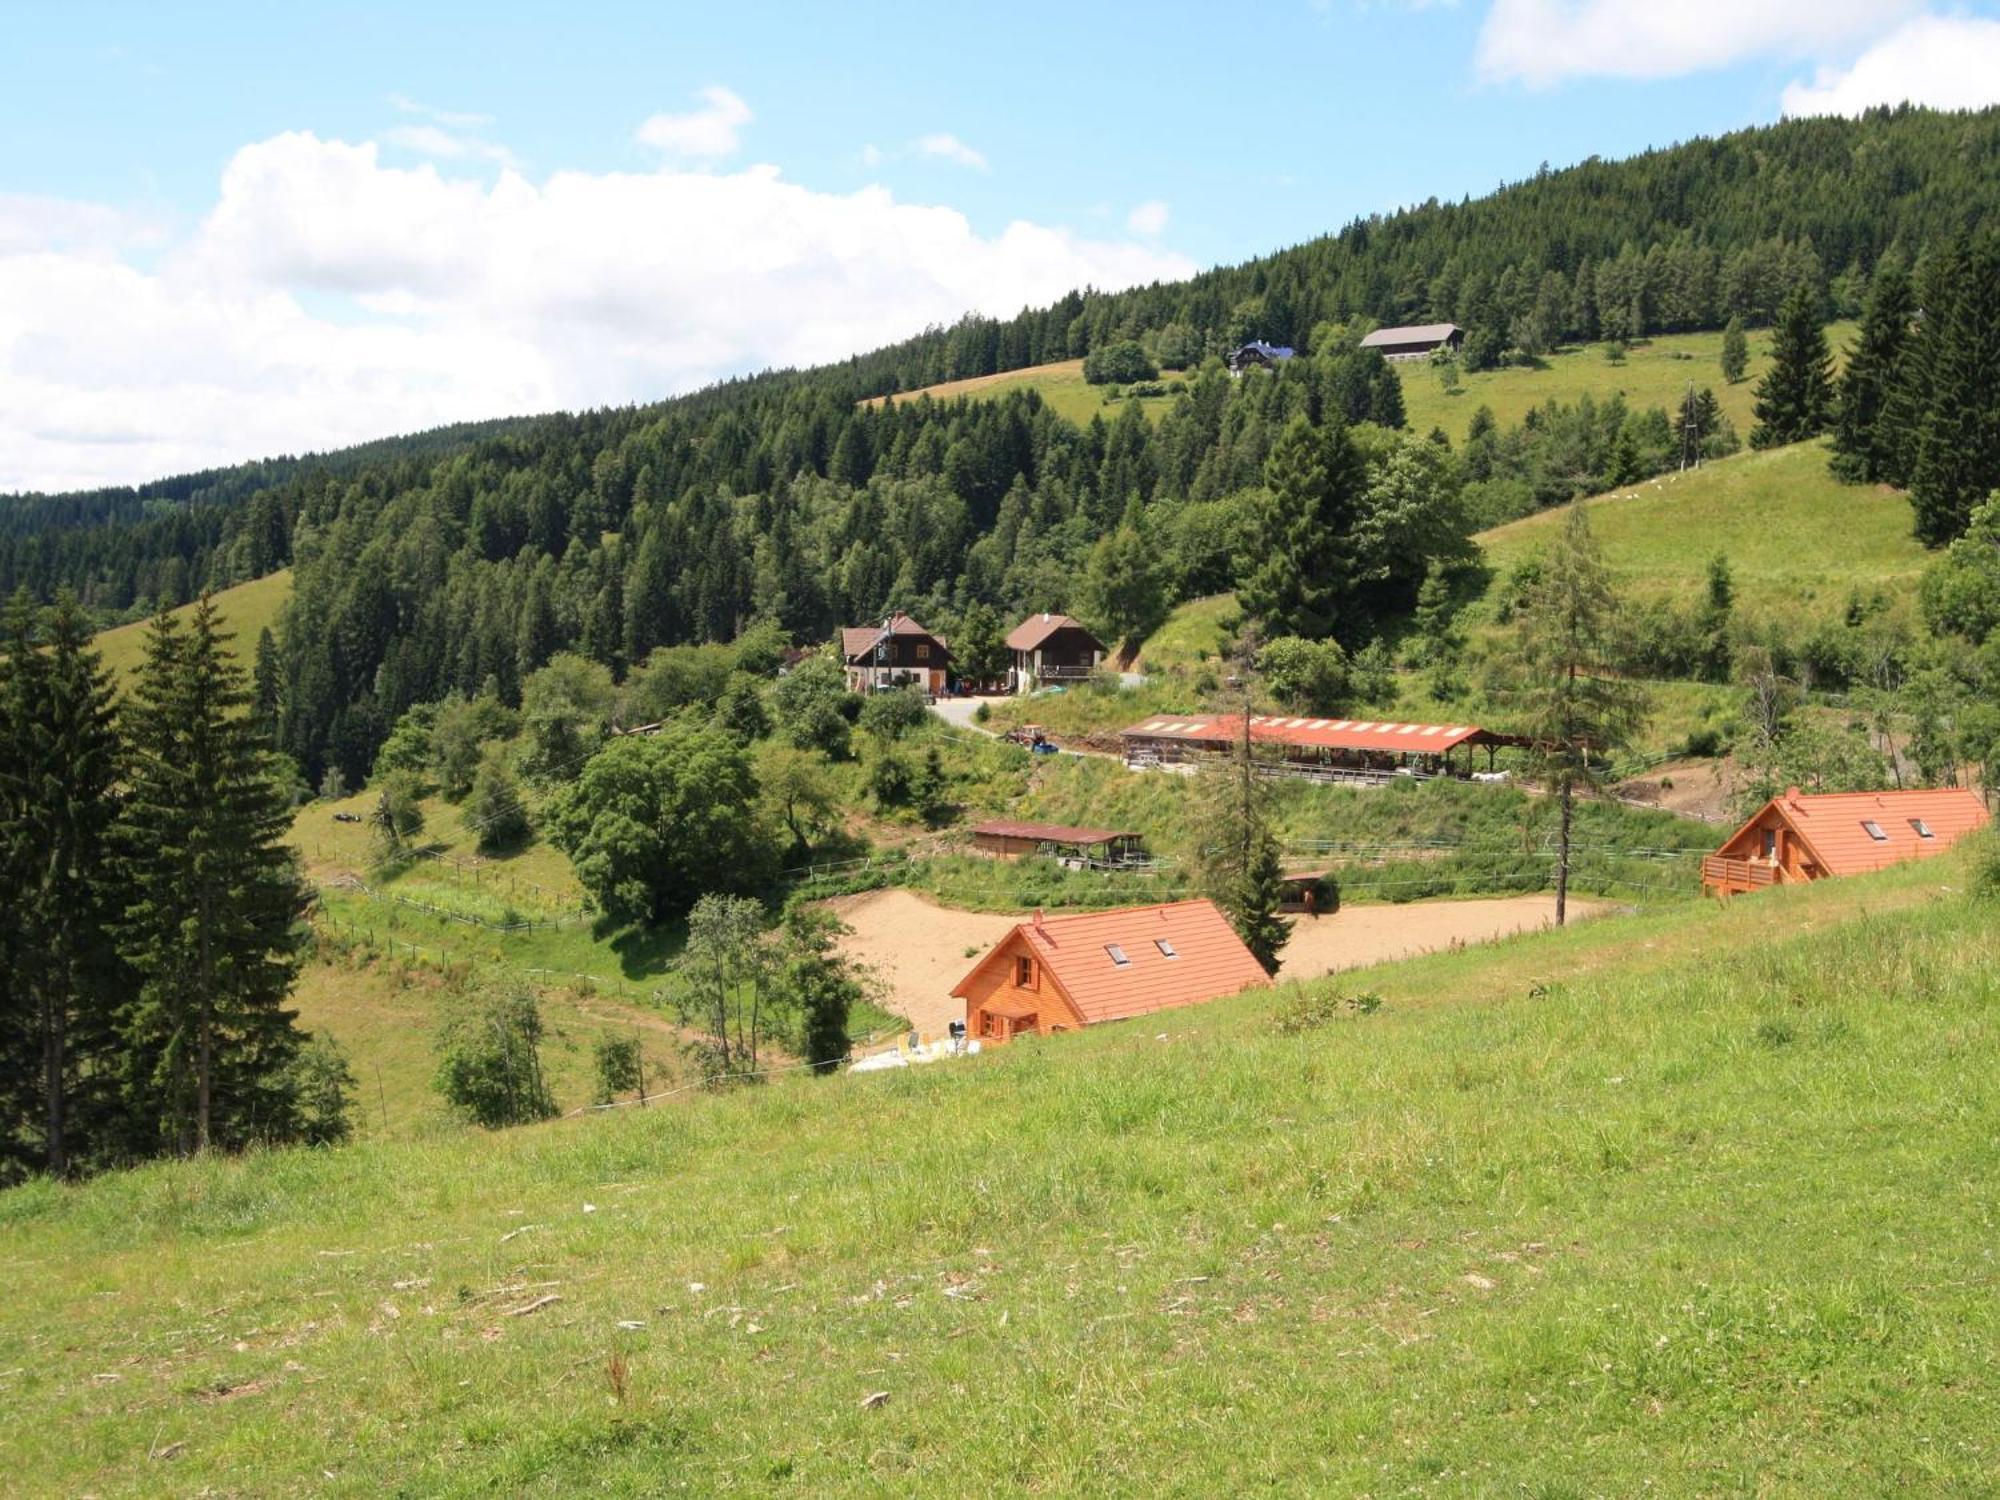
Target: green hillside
(1797, 540)
(246, 609)
(1694, 1202)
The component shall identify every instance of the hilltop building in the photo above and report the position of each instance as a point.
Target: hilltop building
(1258, 355)
(1055, 974)
(1798, 837)
(1051, 649)
(894, 654)
(1418, 341)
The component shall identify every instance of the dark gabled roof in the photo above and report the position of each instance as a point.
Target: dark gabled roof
(858, 640)
(1415, 333)
(1267, 351)
(1032, 631)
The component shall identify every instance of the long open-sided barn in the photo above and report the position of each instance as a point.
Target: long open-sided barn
(1335, 749)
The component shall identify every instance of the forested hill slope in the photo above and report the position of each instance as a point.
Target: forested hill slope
(465, 561)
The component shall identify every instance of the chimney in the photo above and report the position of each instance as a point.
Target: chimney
(1038, 916)
(1792, 795)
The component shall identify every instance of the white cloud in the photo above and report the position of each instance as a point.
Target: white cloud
(708, 132)
(947, 147)
(1949, 62)
(454, 119)
(1149, 218)
(442, 145)
(328, 297)
(871, 156)
(1541, 42)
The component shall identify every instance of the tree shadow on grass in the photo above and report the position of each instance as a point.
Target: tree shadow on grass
(643, 952)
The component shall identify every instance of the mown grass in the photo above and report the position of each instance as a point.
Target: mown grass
(1798, 541)
(246, 609)
(1655, 372)
(1691, 1203)
(1060, 384)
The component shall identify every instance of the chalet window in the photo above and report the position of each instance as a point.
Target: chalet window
(1118, 955)
(1770, 843)
(1024, 973)
(1874, 830)
(1166, 948)
(923, 651)
(1923, 829)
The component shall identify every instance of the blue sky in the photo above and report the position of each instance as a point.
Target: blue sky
(260, 227)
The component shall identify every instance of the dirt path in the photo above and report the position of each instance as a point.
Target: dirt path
(920, 949)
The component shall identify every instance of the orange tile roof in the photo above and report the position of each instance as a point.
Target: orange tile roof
(1833, 825)
(1210, 960)
(1324, 733)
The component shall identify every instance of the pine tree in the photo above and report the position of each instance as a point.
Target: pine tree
(1237, 856)
(1862, 438)
(1735, 351)
(1574, 705)
(1303, 565)
(212, 925)
(1795, 397)
(1958, 438)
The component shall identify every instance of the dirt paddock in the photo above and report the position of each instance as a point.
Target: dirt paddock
(918, 948)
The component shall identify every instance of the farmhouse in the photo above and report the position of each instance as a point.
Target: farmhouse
(1354, 750)
(1258, 355)
(1007, 839)
(1052, 649)
(893, 654)
(1060, 973)
(1798, 837)
(1415, 342)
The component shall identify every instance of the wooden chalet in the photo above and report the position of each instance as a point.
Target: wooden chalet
(894, 654)
(1356, 750)
(1007, 839)
(1055, 974)
(1258, 355)
(1800, 837)
(1418, 341)
(1052, 649)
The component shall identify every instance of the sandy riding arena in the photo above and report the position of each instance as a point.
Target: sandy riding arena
(919, 949)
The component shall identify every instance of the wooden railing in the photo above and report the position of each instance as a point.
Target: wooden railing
(1738, 874)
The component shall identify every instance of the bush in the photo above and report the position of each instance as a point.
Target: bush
(1986, 864)
(1307, 677)
(1311, 1009)
(891, 715)
(490, 1063)
(1119, 364)
(496, 810)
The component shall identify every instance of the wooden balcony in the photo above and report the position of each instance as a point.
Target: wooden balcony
(1733, 875)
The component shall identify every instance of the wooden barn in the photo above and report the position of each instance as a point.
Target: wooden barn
(1052, 649)
(894, 654)
(1055, 974)
(1418, 341)
(1356, 750)
(1800, 837)
(1006, 839)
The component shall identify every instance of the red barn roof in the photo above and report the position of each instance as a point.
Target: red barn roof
(1331, 734)
(1851, 833)
(1178, 954)
(1032, 631)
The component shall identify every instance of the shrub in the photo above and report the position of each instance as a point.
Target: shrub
(1119, 364)
(490, 1063)
(1311, 1009)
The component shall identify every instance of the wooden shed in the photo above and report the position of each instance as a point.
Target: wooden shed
(1005, 838)
(1055, 974)
(1800, 837)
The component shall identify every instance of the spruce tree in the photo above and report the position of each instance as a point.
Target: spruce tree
(1957, 447)
(1302, 568)
(1574, 705)
(1795, 397)
(66, 819)
(212, 925)
(1735, 351)
(1236, 854)
(1862, 437)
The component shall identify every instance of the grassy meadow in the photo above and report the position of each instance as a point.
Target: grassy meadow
(1693, 1202)
(1060, 384)
(246, 609)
